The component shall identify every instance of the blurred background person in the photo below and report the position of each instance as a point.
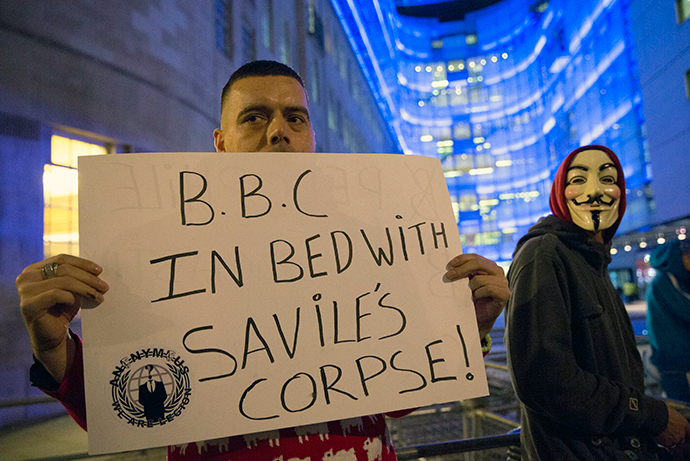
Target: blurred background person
(668, 317)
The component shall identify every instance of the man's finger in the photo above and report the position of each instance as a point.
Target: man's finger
(86, 277)
(75, 261)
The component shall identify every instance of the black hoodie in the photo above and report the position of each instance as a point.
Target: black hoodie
(572, 352)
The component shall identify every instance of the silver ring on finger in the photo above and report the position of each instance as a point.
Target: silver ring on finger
(49, 271)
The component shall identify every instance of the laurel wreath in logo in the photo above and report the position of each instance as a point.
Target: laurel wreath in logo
(121, 396)
(134, 413)
(181, 381)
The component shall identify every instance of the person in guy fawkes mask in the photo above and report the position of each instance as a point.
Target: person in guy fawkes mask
(571, 347)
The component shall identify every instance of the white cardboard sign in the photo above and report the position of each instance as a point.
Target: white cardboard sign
(251, 292)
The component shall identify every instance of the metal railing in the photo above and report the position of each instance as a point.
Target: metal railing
(403, 453)
(458, 446)
(27, 401)
(473, 417)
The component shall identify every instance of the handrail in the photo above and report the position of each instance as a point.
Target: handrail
(498, 418)
(679, 405)
(497, 366)
(27, 401)
(402, 453)
(457, 446)
(70, 457)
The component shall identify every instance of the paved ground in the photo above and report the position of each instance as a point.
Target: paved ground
(53, 438)
(58, 439)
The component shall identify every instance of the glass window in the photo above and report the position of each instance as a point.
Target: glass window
(223, 19)
(682, 10)
(327, 40)
(248, 43)
(461, 130)
(267, 25)
(314, 83)
(286, 46)
(338, 118)
(477, 95)
(343, 66)
(468, 202)
(60, 186)
(331, 113)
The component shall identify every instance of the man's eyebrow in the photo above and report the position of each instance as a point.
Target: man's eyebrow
(266, 110)
(299, 109)
(606, 165)
(254, 108)
(578, 167)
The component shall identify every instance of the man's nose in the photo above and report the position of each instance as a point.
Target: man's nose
(278, 131)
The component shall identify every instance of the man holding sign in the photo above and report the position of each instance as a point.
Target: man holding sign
(264, 108)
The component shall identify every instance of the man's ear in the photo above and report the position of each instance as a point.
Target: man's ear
(219, 140)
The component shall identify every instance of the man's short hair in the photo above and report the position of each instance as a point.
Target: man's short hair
(261, 68)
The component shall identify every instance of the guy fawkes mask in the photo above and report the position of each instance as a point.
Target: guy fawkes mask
(592, 191)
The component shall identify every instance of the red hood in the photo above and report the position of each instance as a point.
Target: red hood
(559, 207)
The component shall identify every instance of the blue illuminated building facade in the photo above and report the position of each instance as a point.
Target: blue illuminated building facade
(501, 96)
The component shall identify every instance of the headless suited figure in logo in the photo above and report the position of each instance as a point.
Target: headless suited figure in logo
(152, 397)
(571, 348)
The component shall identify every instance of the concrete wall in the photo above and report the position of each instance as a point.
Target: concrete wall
(143, 73)
(663, 54)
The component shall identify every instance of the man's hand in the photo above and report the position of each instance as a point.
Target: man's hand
(676, 436)
(49, 305)
(489, 287)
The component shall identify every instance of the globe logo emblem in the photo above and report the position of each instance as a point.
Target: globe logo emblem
(151, 387)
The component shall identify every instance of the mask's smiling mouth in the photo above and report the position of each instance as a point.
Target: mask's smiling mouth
(594, 201)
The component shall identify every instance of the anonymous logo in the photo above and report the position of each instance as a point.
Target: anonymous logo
(150, 387)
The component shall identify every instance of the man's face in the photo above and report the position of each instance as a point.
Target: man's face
(592, 191)
(265, 114)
